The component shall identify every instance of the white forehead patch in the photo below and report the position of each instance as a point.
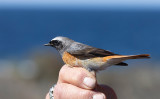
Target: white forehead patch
(62, 39)
(58, 38)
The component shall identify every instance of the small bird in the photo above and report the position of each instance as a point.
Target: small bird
(91, 58)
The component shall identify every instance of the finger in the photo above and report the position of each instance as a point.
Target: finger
(47, 96)
(77, 76)
(108, 91)
(68, 91)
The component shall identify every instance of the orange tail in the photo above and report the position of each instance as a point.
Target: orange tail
(118, 59)
(125, 57)
(137, 56)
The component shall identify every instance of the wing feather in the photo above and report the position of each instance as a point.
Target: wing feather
(91, 53)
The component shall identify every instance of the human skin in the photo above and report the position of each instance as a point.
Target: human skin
(78, 83)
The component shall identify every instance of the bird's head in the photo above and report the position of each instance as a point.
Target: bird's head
(60, 42)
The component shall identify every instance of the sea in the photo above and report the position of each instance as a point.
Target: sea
(120, 31)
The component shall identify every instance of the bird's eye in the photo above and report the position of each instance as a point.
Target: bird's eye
(55, 42)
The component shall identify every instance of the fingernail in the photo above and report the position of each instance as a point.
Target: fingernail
(89, 82)
(99, 96)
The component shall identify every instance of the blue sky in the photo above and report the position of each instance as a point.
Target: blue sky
(81, 3)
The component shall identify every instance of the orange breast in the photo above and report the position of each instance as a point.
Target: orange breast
(71, 60)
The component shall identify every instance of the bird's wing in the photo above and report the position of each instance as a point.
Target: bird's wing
(90, 52)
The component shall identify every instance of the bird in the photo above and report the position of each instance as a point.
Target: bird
(77, 54)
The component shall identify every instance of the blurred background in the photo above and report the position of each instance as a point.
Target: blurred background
(28, 69)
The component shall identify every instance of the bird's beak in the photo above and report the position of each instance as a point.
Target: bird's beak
(47, 44)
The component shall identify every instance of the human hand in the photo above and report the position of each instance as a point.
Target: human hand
(78, 83)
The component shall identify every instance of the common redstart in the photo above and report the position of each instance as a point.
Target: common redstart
(93, 59)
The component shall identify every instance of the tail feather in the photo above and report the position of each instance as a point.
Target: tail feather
(138, 56)
(122, 64)
(118, 59)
